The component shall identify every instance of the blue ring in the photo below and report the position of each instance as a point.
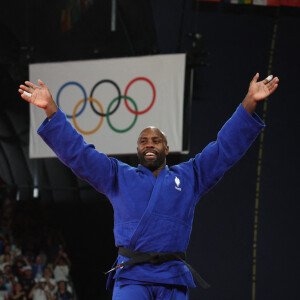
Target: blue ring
(84, 95)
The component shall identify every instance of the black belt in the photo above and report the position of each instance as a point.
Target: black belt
(157, 258)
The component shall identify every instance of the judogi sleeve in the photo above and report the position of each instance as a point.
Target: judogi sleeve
(233, 140)
(84, 160)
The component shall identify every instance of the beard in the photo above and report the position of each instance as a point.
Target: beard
(152, 165)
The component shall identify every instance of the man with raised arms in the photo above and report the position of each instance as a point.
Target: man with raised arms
(153, 204)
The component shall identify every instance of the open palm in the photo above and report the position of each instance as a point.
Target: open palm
(40, 96)
(262, 89)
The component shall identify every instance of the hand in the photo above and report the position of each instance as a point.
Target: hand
(61, 253)
(40, 96)
(262, 89)
(259, 91)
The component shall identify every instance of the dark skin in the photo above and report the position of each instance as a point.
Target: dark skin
(152, 149)
(151, 139)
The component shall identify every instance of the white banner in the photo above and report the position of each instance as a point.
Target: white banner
(92, 94)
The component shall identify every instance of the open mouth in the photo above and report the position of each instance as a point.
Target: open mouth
(150, 155)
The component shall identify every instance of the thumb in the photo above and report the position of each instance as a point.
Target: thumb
(255, 78)
(41, 83)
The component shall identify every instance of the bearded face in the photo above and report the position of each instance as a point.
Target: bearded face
(152, 149)
(151, 159)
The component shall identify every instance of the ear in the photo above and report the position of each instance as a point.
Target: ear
(167, 150)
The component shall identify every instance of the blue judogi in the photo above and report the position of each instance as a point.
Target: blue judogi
(149, 292)
(153, 214)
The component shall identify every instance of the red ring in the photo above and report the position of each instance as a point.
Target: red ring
(153, 99)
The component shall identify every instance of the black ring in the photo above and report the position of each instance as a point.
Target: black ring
(119, 96)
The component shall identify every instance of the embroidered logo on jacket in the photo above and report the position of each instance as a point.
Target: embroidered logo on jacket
(177, 181)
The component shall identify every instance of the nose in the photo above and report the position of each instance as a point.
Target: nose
(150, 145)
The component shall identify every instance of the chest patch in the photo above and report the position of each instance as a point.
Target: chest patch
(177, 182)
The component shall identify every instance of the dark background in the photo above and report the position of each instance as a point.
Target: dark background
(226, 46)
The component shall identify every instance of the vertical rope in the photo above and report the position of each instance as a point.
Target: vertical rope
(259, 165)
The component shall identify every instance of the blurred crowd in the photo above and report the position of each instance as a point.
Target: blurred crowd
(33, 261)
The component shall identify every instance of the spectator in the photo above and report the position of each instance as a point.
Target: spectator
(38, 291)
(7, 280)
(51, 286)
(27, 280)
(6, 260)
(53, 241)
(38, 267)
(17, 267)
(62, 293)
(62, 266)
(15, 251)
(9, 253)
(18, 293)
(3, 291)
(6, 250)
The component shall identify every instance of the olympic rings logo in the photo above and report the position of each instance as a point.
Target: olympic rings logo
(109, 110)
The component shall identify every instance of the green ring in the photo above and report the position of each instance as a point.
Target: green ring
(107, 114)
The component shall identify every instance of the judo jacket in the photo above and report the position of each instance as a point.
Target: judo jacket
(153, 214)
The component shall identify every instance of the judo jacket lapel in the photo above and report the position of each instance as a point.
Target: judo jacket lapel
(146, 218)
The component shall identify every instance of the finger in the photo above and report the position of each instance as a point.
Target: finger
(272, 83)
(274, 87)
(26, 88)
(41, 83)
(27, 94)
(20, 91)
(26, 98)
(255, 78)
(268, 79)
(32, 85)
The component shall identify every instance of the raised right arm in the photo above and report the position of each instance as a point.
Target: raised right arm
(59, 134)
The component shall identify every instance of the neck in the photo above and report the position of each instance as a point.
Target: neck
(158, 170)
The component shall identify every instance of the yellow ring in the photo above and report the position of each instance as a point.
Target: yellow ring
(74, 116)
